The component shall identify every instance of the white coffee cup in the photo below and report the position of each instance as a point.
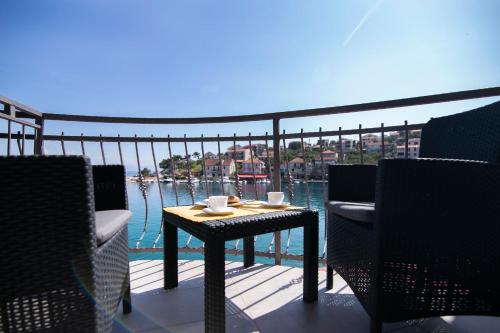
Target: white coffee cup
(275, 198)
(217, 203)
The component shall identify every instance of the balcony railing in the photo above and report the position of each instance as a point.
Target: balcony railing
(25, 127)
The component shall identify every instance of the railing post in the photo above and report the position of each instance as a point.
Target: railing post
(38, 144)
(10, 111)
(276, 183)
(406, 138)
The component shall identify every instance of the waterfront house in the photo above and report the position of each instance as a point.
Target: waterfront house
(296, 167)
(372, 143)
(238, 154)
(329, 158)
(328, 155)
(347, 145)
(210, 156)
(213, 168)
(259, 166)
(413, 151)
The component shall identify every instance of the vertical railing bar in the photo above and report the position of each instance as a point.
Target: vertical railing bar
(270, 247)
(119, 149)
(383, 139)
(360, 146)
(323, 169)
(238, 186)
(23, 139)
(289, 187)
(253, 166)
(406, 138)
(239, 189)
(268, 166)
(268, 161)
(142, 188)
(18, 140)
(102, 150)
(172, 170)
(308, 199)
(188, 165)
(38, 140)
(35, 135)
(287, 168)
(220, 165)
(156, 171)
(159, 190)
(189, 183)
(276, 183)
(82, 144)
(9, 136)
(253, 173)
(204, 167)
(341, 148)
(62, 144)
(323, 188)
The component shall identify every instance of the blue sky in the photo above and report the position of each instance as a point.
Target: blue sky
(206, 58)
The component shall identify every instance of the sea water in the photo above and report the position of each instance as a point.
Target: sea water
(137, 206)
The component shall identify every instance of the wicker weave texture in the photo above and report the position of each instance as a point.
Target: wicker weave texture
(112, 277)
(437, 234)
(51, 273)
(471, 135)
(241, 227)
(352, 182)
(433, 249)
(350, 250)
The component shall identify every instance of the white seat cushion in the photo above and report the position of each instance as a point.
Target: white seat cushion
(109, 222)
(356, 211)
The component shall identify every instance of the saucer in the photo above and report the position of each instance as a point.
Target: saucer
(226, 211)
(235, 204)
(281, 205)
(238, 204)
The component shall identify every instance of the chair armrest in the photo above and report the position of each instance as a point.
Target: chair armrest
(352, 182)
(427, 209)
(110, 190)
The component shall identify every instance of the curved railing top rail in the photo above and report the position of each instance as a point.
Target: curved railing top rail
(389, 104)
(26, 110)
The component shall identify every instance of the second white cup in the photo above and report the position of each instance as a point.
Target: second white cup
(275, 198)
(217, 203)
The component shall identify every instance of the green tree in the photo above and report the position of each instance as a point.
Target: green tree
(368, 158)
(196, 155)
(165, 165)
(294, 145)
(146, 172)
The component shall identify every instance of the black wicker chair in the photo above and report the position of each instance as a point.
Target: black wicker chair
(63, 232)
(420, 238)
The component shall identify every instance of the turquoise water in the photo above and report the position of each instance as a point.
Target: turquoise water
(136, 205)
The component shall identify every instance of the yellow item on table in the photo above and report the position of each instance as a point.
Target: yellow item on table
(195, 213)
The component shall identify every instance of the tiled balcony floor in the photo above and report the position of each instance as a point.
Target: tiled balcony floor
(262, 299)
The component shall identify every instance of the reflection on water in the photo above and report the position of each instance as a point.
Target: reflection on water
(136, 204)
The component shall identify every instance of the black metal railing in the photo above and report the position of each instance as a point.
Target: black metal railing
(279, 170)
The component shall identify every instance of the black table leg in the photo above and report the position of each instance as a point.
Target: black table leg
(329, 277)
(311, 261)
(215, 312)
(170, 256)
(248, 252)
